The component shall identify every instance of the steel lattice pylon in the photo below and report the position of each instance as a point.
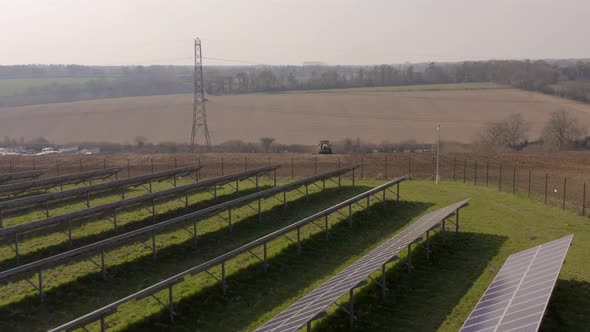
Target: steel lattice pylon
(199, 111)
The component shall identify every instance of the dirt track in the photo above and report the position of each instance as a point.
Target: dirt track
(289, 117)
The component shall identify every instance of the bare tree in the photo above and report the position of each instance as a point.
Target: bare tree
(561, 130)
(511, 132)
(266, 142)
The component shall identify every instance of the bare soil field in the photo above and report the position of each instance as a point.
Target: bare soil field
(302, 118)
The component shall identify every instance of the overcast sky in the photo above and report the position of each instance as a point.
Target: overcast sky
(112, 32)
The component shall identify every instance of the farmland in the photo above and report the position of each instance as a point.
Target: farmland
(290, 118)
(15, 86)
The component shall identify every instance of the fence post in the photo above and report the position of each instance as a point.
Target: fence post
(433, 169)
(584, 200)
(465, 170)
(410, 167)
(315, 166)
(292, 168)
(514, 181)
(475, 175)
(530, 179)
(487, 173)
(385, 172)
(564, 189)
(500, 180)
(546, 180)
(362, 166)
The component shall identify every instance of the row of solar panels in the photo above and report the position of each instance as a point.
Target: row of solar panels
(515, 300)
(21, 176)
(26, 203)
(100, 314)
(131, 237)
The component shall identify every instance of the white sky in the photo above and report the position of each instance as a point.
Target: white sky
(112, 32)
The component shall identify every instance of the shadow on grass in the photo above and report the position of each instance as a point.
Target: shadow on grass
(423, 299)
(253, 293)
(79, 241)
(86, 293)
(569, 307)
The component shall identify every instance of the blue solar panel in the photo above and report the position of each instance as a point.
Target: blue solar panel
(518, 296)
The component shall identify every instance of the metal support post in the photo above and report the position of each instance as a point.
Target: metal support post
(457, 221)
(154, 246)
(41, 292)
(265, 259)
(349, 215)
(353, 177)
(102, 266)
(326, 226)
(223, 283)
(298, 241)
(229, 218)
(428, 244)
(383, 282)
(259, 212)
(171, 303)
(409, 258)
(351, 308)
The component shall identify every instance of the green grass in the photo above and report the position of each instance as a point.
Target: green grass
(438, 295)
(424, 87)
(11, 87)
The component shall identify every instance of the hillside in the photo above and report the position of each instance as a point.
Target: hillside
(288, 117)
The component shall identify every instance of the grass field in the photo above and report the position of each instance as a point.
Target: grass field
(11, 87)
(422, 87)
(438, 295)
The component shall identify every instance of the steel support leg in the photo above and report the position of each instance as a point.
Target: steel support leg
(353, 179)
(284, 199)
(350, 215)
(16, 251)
(275, 177)
(457, 221)
(223, 284)
(351, 308)
(229, 219)
(259, 212)
(103, 325)
(154, 246)
(397, 189)
(150, 183)
(102, 266)
(428, 245)
(444, 231)
(256, 181)
(265, 259)
(186, 200)
(171, 303)
(195, 232)
(298, 241)
(41, 293)
(237, 186)
(87, 199)
(326, 227)
(115, 220)
(383, 282)
(409, 258)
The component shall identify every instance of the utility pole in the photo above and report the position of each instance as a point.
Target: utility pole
(199, 111)
(437, 152)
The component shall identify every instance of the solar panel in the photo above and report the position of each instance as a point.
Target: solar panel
(47, 183)
(11, 233)
(109, 309)
(21, 176)
(518, 296)
(124, 239)
(316, 302)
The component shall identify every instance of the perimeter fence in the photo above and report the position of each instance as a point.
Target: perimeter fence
(554, 189)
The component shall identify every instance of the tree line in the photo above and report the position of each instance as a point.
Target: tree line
(564, 78)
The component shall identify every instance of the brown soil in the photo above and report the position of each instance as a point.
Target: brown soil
(302, 118)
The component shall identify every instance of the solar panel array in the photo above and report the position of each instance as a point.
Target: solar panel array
(168, 283)
(21, 176)
(518, 296)
(73, 217)
(22, 187)
(24, 203)
(316, 302)
(99, 247)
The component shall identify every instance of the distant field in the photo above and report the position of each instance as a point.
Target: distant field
(10, 87)
(425, 87)
(302, 118)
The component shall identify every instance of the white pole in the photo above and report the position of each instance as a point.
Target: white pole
(437, 153)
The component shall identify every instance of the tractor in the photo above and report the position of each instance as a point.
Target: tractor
(325, 147)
